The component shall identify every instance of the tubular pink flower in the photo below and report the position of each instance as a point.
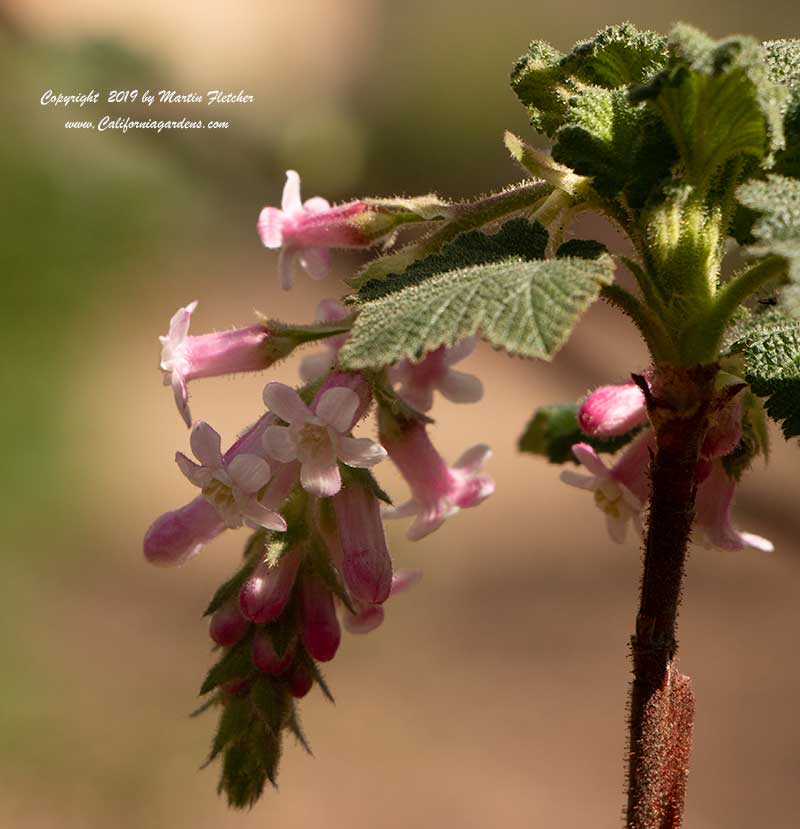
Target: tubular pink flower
(418, 381)
(304, 231)
(228, 626)
(365, 564)
(370, 616)
(316, 365)
(713, 515)
(320, 630)
(724, 430)
(176, 536)
(299, 679)
(231, 485)
(437, 490)
(185, 358)
(318, 438)
(266, 592)
(621, 491)
(612, 410)
(266, 658)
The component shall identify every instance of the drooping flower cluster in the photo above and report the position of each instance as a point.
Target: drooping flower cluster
(299, 477)
(623, 490)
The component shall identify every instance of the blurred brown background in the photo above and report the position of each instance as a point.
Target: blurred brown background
(494, 694)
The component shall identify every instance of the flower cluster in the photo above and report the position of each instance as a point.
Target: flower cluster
(318, 559)
(622, 490)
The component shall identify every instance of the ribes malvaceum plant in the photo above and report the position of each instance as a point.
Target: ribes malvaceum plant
(691, 147)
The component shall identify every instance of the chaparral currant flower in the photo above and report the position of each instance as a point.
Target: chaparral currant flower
(320, 629)
(713, 514)
(620, 491)
(269, 587)
(438, 491)
(318, 439)
(185, 358)
(304, 231)
(418, 381)
(370, 616)
(316, 365)
(232, 486)
(178, 535)
(228, 626)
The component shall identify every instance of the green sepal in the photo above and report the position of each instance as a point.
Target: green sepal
(366, 480)
(295, 727)
(553, 430)
(754, 440)
(256, 546)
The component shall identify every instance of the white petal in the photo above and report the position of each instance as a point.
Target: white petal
(290, 200)
(404, 580)
(314, 366)
(473, 459)
(270, 227)
(179, 324)
(181, 396)
(401, 511)
(590, 459)
(573, 478)
(319, 478)
(360, 452)
(458, 387)
(198, 475)
(426, 524)
(616, 527)
(460, 351)
(316, 204)
(206, 445)
(279, 444)
(256, 513)
(757, 542)
(337, 408)
(249, 472)
(285, 402)
(316, 262)
(286, 267)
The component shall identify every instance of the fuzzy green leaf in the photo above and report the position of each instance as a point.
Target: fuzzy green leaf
(777, 228)
(234, 663)
(718, 101)
(526, 306)
(554, 430)
(783, 60)
(771, 352)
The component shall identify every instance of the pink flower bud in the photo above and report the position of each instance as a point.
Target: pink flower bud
(613, 410)
(300, 680)
(237, 687)
(228, 626)
(174, 537)
(320, 627)
(266, 592)
(266, 659)
(365, 562)
(367, 618)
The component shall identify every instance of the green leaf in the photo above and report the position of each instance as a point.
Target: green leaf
(718, 102)
(754, 440)
(517, 237)
(272, 702)
(771, 352)
(426, 208)
(777, 228)
(783, 60)
(514, 300)
(553, 430)
(234, 723)
(541, 85)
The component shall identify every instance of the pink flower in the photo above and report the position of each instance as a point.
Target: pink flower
(185, 358)
(437, 490)
(621, 491)
(363, 557)
(316, 365)
(228, 626)
(613, 410)
(299, 679)
(724, 429)
(713, 514)
(320, 630)
(318, 439)
(370, 616)
(231, 485)
(419, 380)
(267, 591)
(304, 231)
(176, 536)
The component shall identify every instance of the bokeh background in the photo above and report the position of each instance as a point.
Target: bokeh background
(494, 695)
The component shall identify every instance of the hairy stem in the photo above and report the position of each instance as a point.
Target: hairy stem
(661, 703)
